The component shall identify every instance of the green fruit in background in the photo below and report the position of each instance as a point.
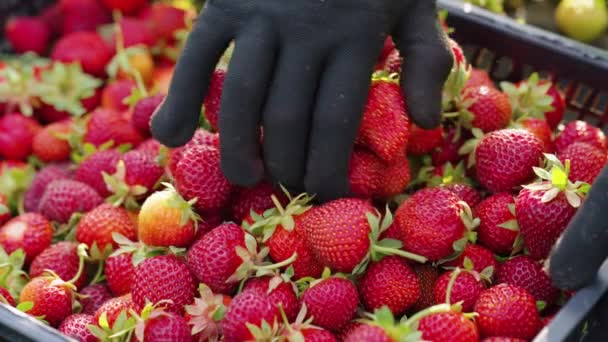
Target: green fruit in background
(583, 20)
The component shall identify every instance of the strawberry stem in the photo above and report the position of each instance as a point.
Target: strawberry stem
(453, 277)
(283, 263)
(98, 274)
(82, 255)
(399, 252)
(427, 312)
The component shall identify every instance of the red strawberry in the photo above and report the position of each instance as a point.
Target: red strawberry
(114, 94)
(48, 146)
(365, 173)
(491, 108)
(385, 125)
(97, 226)
(504, 159)
(63, 198)
(165, 19)
(331, 302)
(30, 232)
(198, 175)
(137, 173)
(281, 293)
(559, 107)
(82, 15)
(479, 78)
(465, 192)
(391, 64)
(248, 307)
(28, 34)
(541, 130)
(126, 7)
(201, 137)
(61, 258)
(395, 178)
(163, 277)
(88, 48)
(142, 112)
(391, 282)
(108, 125)
(480, 258)
(150, 146)
(427, 276)
(423, 141)
(466, 288)
(119, 270)
(580, 131)
(586, 161)
(430, 222)
(318, 335)
(527, 273)
(136, 32)
(448, 326)
(167, 327)
(113, 307)
(96, 295)
(5, 213)
(257, 199)
(54, 302)
(448, 151)
(91, 169)
(75, 326)
(507, 310)
(502, 339)
(16, 135)
(496, 213)
(214, 97)
(6, 298)
(47, 113)
(45, 176)
(367, 332)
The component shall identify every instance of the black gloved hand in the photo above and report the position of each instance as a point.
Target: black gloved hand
(301, 69)
(578, 255)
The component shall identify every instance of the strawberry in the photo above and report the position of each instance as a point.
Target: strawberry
(91, 170)
(504, 159)
(142, 112)
(115, 93)
(166, 219)
(88, 48)
(385, 125)
(318, 335)
(5, 213)
(75, 326)
(113, 307)
(479, 77)
(479, 257)
(6, 298)
(527, 273)
(507, 310)
(82, 15)
(491, 109)
(331, 302)
(423, 141)
(136, 32)
(61, 258)
(541, 129)
(395, 178)
(280, 292)
(347, 330)
(365, 173)
(150, 146)
(580, 131)
(45, 176)
(16, 135)
(28, 34)
(466, 287)
(207, 224)
(166, 20)
(367, 332)
(430, 222)
(52, 301)
(448, 326)
(427, 276)
(447, 152)
(214, 97)
(160, 278)
(30, 232)
(391, 64)
(201, 138)
(77, 93)
(465, 192)
(108, 125)
(97, 226)
(457, 52)
(555, 116)
(206, 313)
(126, 7)
(498, 229)
(166, 327)
(119, 270)
(199, 175)
(391, 282)
(586, 161)
(62, 198)
(502, 339)
(247, 308)
(95, 296)
(49, 146)
(258, 199)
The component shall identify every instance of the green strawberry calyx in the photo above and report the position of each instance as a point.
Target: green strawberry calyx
(12, 276)
(20, 88)
(470, 146)
(139, 250)
(205, 313)
(120, 331)
(293, 331)
(530, 98)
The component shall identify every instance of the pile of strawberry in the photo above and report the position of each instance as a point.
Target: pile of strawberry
(107, 235)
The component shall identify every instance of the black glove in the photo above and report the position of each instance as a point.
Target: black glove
(301, 69)
(578, 255)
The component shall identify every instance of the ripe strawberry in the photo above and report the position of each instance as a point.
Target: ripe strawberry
(555, 116)
(448, 326)
(137, 173)
(479, 77)
(97, 226)
(580, 131)
(465, 192)
(280, 292)
(198, 175)
(126, 7)
(142, 112)
(165, 19)
(96, 295)
(257, 199)
(207, 224)
(331, 302)
(367, 332)
(540, 129)
(63, 198)
(119, 270)
(527, 273)
(167, 327)
(163, 277)
(365, 173)
(28, 34)
(54, 302)
(31, 232)
(114, 94)
(427, 276)
(447, 152)
(480, 257)
(88, 48)
(91, 169)
(214, 97)
(47, 144)
(391, 282)
(466, 288)
(586, 161)
(75, 326)
(5, 213)
(201, 138)
(504, 159)
(113, 308)
(423, 141)
(136, 32)
(38, 185)
(82, 15)
(16, 135)
(108, 125)
(430, 222)
(318, 335)
(391, 64)
(502, 339)
(166, 219)
(385, 124)
(61, 258)
(395, 178)
(496, 213)
(348, 328)
(507, 310)
(248, 307)
(491, 108)
(150, 146)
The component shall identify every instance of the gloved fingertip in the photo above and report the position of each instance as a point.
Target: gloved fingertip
(170, 129)
(245, 173)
